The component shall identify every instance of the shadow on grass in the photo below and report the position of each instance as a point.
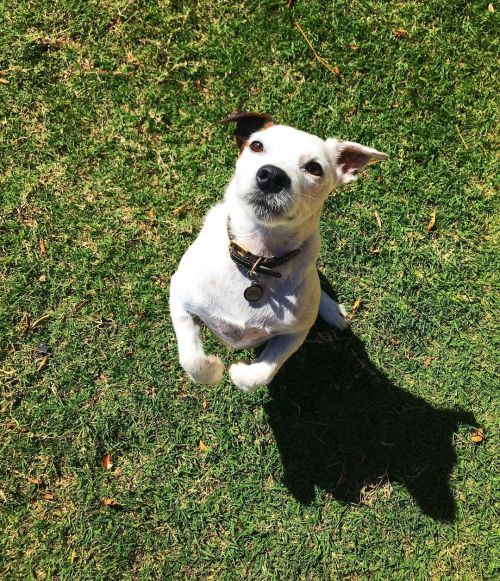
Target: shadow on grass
(341, 425)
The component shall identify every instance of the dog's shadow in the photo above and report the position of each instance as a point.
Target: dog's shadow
(340, 424)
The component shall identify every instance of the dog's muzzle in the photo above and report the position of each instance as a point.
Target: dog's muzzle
(271, 179)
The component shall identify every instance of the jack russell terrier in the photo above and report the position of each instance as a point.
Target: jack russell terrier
(250, 276)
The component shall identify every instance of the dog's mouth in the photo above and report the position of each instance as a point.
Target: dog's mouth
(270, 206)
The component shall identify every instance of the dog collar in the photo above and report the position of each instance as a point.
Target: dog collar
(256, 264)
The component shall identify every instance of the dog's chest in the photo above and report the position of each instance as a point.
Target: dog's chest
(238, 335)
(213, 289)
(240, 323)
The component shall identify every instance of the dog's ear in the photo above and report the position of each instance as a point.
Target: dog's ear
(350, 158)
(246, 124)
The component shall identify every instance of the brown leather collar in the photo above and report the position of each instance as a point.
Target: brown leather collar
(255, 263)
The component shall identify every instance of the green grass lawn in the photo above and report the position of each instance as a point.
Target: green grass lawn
(357, 462)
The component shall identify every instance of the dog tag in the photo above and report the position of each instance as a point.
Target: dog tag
(254, 292)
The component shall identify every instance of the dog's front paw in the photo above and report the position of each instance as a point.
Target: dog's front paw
(249, 376)
(209, 370)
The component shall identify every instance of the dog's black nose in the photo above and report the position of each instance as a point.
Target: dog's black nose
(272, 179)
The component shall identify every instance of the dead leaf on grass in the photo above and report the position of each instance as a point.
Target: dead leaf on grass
(202, 447)
(40, 321)
(47, 496)
(491, 8)
(110, 502)
(477, 435)
(132, 59)
(42, 246)
(355, 307)
(179, 209)
(107, 461)
(401, 33)
(15, 426)
(379, 221)
(43, 364)
(33, 480)
(432, 221)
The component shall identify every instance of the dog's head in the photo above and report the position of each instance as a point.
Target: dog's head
(283, 174)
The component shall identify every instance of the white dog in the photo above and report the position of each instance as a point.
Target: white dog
(251, 275)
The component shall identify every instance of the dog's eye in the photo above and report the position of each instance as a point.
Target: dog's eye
(314, 168)
(256, 146)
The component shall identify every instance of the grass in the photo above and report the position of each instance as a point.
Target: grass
(357, 462)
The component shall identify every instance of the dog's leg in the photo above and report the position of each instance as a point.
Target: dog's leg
(200, 367)
(333, 313)
(250, 376)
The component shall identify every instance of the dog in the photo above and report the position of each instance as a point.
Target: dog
(250, 276)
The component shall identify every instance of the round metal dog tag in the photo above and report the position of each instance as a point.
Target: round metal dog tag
(254, 292)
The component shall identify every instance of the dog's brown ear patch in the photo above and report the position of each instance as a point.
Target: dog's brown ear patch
(246, 124)
(350, 158)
